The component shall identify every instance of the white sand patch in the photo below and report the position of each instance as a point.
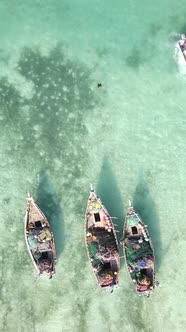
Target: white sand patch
(23, 86)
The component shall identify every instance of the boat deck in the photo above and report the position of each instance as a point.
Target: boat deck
(101, 242)
(139, 253)
(39, 238)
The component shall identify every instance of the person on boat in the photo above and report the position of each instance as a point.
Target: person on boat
(30, 227)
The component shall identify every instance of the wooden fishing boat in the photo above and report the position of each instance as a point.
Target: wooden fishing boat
(39, 239)
(139, 253)
(101, 243)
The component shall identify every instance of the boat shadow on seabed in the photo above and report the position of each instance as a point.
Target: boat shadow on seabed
(49, 202)
(145, 206)
(107, 189)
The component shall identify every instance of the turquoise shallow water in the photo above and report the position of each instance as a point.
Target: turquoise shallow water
(59, 133)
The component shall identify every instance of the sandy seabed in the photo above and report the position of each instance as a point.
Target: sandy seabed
(59, 133)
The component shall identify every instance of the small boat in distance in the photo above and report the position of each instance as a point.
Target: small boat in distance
(139, 253)
(101, 243)
(39, 239)
(181, 46)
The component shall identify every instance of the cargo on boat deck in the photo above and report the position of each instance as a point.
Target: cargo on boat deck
(39, 239)
(101, 243)
(139, 253)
